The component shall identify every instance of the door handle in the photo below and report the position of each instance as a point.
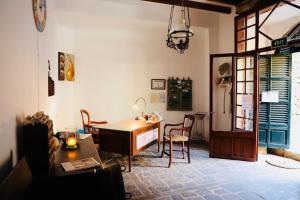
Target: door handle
(212, 113)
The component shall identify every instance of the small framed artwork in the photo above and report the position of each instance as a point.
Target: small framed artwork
(66, 67)
(158, 84)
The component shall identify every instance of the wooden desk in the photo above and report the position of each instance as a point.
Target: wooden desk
(128, 137)
(86, 148)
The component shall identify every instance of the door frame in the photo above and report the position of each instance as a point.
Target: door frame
(235, 144)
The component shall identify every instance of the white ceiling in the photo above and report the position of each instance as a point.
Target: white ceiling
(88, 13)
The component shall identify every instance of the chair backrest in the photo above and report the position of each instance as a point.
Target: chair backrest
(188, 122)
(85, 117)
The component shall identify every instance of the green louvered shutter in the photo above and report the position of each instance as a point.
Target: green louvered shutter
(274, 118)
(264, 73)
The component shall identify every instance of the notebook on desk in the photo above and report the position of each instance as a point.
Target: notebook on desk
(81, 164)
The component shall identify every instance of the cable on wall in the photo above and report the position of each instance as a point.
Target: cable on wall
(38, 72)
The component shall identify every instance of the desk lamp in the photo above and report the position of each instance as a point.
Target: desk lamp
(135, 106)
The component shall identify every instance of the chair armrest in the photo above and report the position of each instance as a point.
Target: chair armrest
(173, 125)
(166, 125)
(88, 126)
(96, 122)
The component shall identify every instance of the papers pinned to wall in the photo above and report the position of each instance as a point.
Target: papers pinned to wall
(270, 96)
(247, 102)
(157, 97)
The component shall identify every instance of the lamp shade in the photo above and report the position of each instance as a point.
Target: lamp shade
(179, 34)
(181, 30)
(135, 106)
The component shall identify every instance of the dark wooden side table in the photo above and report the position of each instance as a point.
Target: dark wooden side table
(86, 148)
(200, 117)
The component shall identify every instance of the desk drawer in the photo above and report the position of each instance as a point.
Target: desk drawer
(143, 139)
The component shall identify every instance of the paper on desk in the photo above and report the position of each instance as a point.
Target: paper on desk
(80, 164)
(83, 136)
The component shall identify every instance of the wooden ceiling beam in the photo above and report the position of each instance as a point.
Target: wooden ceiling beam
(196, 5)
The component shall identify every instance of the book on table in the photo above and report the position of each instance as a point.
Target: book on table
(81, 164)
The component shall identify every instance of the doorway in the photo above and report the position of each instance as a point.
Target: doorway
(234, 107)
(275, 101)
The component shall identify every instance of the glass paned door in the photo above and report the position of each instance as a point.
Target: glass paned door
(244, 93)
(233, 123)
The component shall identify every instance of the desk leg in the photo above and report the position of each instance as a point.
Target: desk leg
(129, 162)
(158, 144)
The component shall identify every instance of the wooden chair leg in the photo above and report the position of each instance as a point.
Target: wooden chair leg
(182, 150)
(188, 152)
(171, 154)
(163, 150)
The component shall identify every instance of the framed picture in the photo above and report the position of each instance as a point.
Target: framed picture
(158, 84)
(66, 67)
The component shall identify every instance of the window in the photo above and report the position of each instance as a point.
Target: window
(244, 93)
(245, 33)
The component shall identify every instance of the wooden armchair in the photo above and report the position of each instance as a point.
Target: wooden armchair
(183, 135)
(88, 125)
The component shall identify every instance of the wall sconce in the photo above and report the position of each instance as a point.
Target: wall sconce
(136, 107)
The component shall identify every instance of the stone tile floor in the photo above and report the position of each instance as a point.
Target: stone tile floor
(207, 178)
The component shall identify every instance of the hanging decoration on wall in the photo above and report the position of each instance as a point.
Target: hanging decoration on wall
(39, 14)
(179, 94)
(51, 89)
(66, 68)
(179, 35)
(224, 80)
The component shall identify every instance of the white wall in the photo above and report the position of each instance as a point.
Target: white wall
(23, 75)
(65, 98)
(115, 66)
(106, 65)
(226, 33)
(295, 105)
(120, 45)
